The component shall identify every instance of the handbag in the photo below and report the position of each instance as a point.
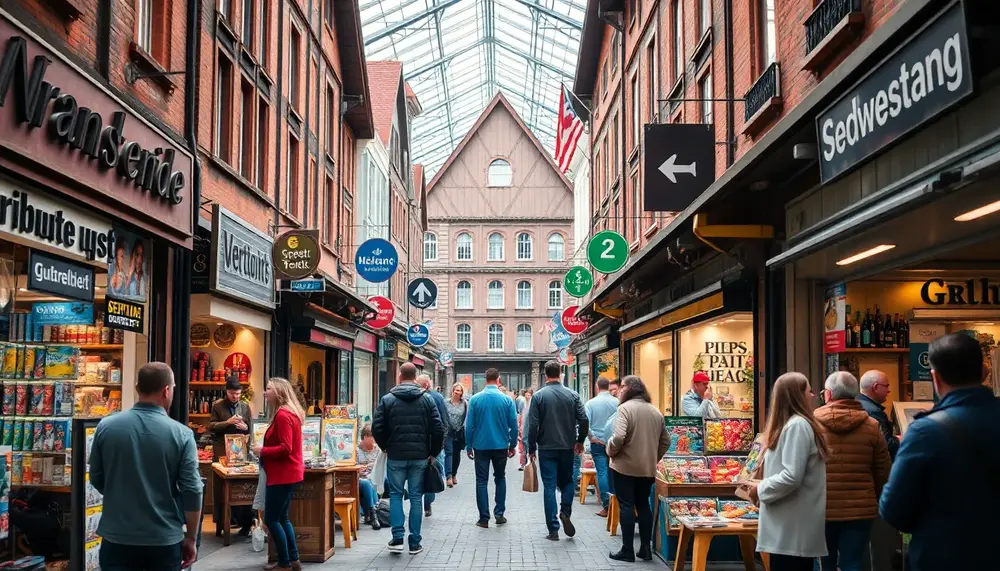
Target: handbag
(743, 491)
(433, 480)
(530, 483)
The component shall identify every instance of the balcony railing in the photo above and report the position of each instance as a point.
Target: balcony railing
(763, 92)
(826, 17)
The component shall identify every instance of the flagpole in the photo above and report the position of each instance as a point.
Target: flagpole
(585, 106)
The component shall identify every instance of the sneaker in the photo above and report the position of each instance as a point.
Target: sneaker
(483, 523)
(603, 513)
(520, 469)
(375, 524)
(396, 545)
(501, 520)
(568, 528)
(428, 512)
(623, 555)
(553, 536)
(415, 549)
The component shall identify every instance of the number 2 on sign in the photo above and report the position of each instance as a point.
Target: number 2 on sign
(609, 245)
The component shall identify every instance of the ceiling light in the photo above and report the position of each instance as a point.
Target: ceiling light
(866, 254)
(219, 323)
(979, 212)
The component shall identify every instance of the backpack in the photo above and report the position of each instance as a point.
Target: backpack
(382, 512)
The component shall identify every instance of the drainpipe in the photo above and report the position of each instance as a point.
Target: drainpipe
(730, 115)
(279, 325)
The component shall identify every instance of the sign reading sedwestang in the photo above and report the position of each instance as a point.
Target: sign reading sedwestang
(925, 76)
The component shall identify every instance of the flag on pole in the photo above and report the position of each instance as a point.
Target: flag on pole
(568, 131)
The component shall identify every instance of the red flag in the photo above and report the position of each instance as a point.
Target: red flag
(568, 131)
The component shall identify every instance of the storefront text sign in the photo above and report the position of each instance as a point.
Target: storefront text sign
(58, 117)
(578, 281)
(835, 319)
(62, 313)
(242, 266)
(969, 292)
(376, 260)
(418, 335)
(320, 338)
(385, 313)
(296, 254)
(366, 341)
(571, 323)
(727, 361)
(921, 335)
(61, 277)
(121, 314)
(402, 352)
(924, 77)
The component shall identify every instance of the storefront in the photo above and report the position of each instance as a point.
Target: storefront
(321, 359)
(365, 369)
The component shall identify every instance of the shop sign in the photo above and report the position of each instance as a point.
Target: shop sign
(679, 164)
(446, 358)
(126, 315)
(566, 358)
(35, 219)
(599, 344)
(970, 292)
(607, 252)
(418, 335)
(921, 335)
(578, 281)
(727, 361)
(332, 341)
(925, 76)
(386, 312)
(560, 337)
(60, 277)
(376, 260)
(386, 349)
(243, 268)
(417, 361)
(402, 352)
(57, 116)
(366, 341)
(296, 254)
(307, 285)
(571, 323)
(835, 319)
(201, 257)
(62, 313)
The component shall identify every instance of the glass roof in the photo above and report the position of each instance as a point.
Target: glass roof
(457, 54)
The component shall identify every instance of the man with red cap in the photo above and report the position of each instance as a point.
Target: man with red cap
(699, 400)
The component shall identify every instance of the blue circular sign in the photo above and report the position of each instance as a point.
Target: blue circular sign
(418, 335)
(376, 260)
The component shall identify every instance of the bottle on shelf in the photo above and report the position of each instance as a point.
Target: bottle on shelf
(889, 332)
(867, 330)
(848, 329)
(856, 335)
(879, 333)
(903, 332)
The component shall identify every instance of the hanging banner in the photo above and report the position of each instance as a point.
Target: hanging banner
(835, 319)
(125, 315)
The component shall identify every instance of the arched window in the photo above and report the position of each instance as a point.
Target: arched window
(463, 337)
(500, 173)
(496, 247)
(555, 295)
(524, 295)
(557, 250)
(524, 246)
(430, 247)
(463, 246)
(523, 338)
(463, 295)
(494, 295)
(496, 337)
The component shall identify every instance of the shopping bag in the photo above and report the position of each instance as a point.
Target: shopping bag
(257, 538)
(530, 477)
(433, 480)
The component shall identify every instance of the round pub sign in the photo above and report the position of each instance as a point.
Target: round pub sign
(296, 254)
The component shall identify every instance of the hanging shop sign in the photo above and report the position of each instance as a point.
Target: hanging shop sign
(386, 311)
(835, 319)
(418, 335)
(376, 260)
(925, 76)
(296, 254)
(332, 341)
(55, 275)
(201, 258)
(306, 285)
(578, 281)
(607, 252)
(242, 266)
(936, 292)
(366, 341)
(126, 315)
(679, 164)
(62, 313)
(402, 351)
(422, 293)
(386, 349)
(446, 359)
(59, 117)
(571, 323)
(566, 358)
(558, 336)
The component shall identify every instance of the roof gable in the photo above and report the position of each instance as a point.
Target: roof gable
(384, 79)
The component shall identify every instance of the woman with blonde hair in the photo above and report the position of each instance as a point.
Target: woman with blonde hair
(792, 494)
(281, 456)
(454, 434)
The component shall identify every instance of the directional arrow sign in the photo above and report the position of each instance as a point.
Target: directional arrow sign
(679, 165)
(422, 293)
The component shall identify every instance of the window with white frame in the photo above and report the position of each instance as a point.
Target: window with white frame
(523, 338)
(524, 295)
(463, 295)
(463, 247)
(500, 173)
(496, 337)
(463, 337)
(494, 295)
(705, 90)
(524, 246)
(555, 295)
(430, 247)
(557, 248)
(496, 247)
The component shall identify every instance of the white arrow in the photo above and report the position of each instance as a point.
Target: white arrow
(422, 292)
(669, 168)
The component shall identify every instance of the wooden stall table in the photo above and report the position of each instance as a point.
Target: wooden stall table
(205, 469)
(702, 538)
(238, 489)
(311, 514)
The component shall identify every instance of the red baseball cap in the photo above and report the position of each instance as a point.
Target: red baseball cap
(700, 377)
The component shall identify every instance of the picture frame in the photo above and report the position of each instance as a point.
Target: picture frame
(905, 411)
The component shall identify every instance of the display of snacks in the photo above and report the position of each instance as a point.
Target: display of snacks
(754, 457)
(674, 469)
(705, 507)
(738, 509)
(699, 476)
(61, 362)
(725, 469)
(687, 436)
(728, 435)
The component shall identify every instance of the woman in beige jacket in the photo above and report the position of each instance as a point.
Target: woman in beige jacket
(637, 443)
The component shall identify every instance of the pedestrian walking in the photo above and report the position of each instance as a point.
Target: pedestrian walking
(454, 441)
(146, 466)
(943, 488)
(637, 443)
(491, 438)
(528, 393)
(599, 409)
(792, 494)
(229, 416)
(557, 428)
(409, 429)
(424, 382)
(281, 455)
(856, 471)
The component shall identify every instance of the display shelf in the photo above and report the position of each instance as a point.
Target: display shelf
(40, 453)
(199, 415)
(213, 384)
(49, 487)
(81, 346)
(873, 350)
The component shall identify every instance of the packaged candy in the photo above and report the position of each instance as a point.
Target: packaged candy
(674, 469)
(9, 367)
(9, 399)
(706, 507)
(18, 442)
(725, 469)
(37, 399)
(48, 436)
(738, 509)
(39, 436)
(29, 435)
(26, 463)
(48, 399)
(752, 459)
(728, 435)
(37, 467)
(699, 476)
(60, 441)
(60, 362)
(21, 399)
(29, 361)
(39, 372)
(19, 364)
(686, 435)
(16, 468)
(8, 431)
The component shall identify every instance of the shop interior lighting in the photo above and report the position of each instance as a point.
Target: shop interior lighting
(979, 212)
(866, 254)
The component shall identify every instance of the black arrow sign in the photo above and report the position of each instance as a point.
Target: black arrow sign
(679, 165)
(422, 293)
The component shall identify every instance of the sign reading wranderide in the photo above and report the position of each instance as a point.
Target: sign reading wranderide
(242, 265)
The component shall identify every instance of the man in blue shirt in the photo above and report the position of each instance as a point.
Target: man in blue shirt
(699, 400)
(491, 438)
(599, 409)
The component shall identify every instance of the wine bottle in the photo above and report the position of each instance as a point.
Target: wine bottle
(856, 337)
(889, 332)
(866, 330)
(848, 330)
(878, 337)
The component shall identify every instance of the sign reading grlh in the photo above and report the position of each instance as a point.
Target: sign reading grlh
(921, 79)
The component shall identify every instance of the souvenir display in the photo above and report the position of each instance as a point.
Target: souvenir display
(236, 449)
(674, 469)
(687, 436)
(224, 336)
(725, 469)
(312, 428)
(705, 507)
(738, 509)
(728, 435)
(340, 440)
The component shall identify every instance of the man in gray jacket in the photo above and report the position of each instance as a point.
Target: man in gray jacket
(557, 427)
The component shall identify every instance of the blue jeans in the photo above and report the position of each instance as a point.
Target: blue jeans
(118, 557)
(448, 454)
(498, 458)
(369, 496)
(846, 542)
(439, 464)
(556, 470)
(277, 500)
(409, 474)
(577, 462)
(600, 456)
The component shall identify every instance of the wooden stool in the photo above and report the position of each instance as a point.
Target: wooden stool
(613, 514)
(347, 510)
(588, 477)
(702, 538)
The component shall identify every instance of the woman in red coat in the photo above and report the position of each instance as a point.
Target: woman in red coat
(281, 455)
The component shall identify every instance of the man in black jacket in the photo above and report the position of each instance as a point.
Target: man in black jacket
(874, 392)
(409, 429)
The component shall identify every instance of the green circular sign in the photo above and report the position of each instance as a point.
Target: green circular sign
(607, 252)
(578, 281)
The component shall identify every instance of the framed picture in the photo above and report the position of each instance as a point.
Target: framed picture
(905, 411)
(128, 269)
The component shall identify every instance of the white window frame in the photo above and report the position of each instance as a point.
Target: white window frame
(705, 92)
(463, 329)
(555, 286)
(489, 247)
(498, 182)
(144, 25)
(458, 295)
(562, 247)
(530, 244)
(531, 295)
(490, 291)
(519, 336)
(494, 329)
(459, 245)
(430, 241)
